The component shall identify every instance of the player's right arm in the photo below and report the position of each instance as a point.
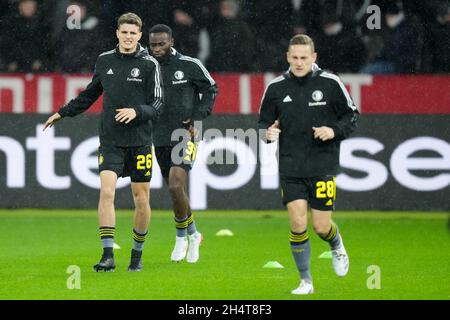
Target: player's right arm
(268, 117)
(81, 103)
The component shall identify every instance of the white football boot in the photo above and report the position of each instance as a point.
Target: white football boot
(340, 260)
(180, 249)
(193, 253)
(304, 288)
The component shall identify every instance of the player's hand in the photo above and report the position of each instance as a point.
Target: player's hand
(323, 133)
(52, 120)
(125, 115)
(187, 124)
(273, 132)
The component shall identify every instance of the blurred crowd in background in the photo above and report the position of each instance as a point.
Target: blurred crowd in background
(234, 35)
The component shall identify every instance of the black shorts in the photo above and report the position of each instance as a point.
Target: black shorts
(320, 192)
(182, 156)
(133, 162)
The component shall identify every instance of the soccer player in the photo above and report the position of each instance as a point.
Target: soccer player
(130, 81)
(310, 112)
(190, 93)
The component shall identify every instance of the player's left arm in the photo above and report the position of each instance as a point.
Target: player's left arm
(206, 86)
(155, 95)
(346, 112)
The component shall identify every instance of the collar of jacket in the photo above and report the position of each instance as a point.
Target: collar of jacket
(301, 80)
(170, 57)
(138, 52)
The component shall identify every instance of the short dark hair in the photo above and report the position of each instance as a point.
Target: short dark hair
(129, 18)
(161, 28)
(302, 39)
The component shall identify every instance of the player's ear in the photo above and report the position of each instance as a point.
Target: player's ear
(139, 36)
(314, 57)
(117, 33)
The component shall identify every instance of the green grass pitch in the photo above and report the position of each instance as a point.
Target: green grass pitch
(411, 250)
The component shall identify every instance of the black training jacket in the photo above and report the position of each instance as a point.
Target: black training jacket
(318, 99)
(126, 81)
(185, 79)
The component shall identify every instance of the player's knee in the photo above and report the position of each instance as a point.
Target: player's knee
(176, 187)
(107, 194)
(298, 225)
(177, 179)
(321, 228)
(141, 197)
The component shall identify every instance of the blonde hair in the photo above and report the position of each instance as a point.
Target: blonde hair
(302, 39)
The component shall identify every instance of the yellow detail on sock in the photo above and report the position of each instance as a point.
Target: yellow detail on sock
(139, 238)
(107, 233)
(298, 237)
(182, 224)
(332, 232)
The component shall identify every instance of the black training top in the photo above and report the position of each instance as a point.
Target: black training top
(189, 93)
(126, 81)
(318, 99)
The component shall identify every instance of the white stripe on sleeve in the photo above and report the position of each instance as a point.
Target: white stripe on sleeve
(350, 103)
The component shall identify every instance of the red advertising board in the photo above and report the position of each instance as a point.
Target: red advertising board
(240, 93)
